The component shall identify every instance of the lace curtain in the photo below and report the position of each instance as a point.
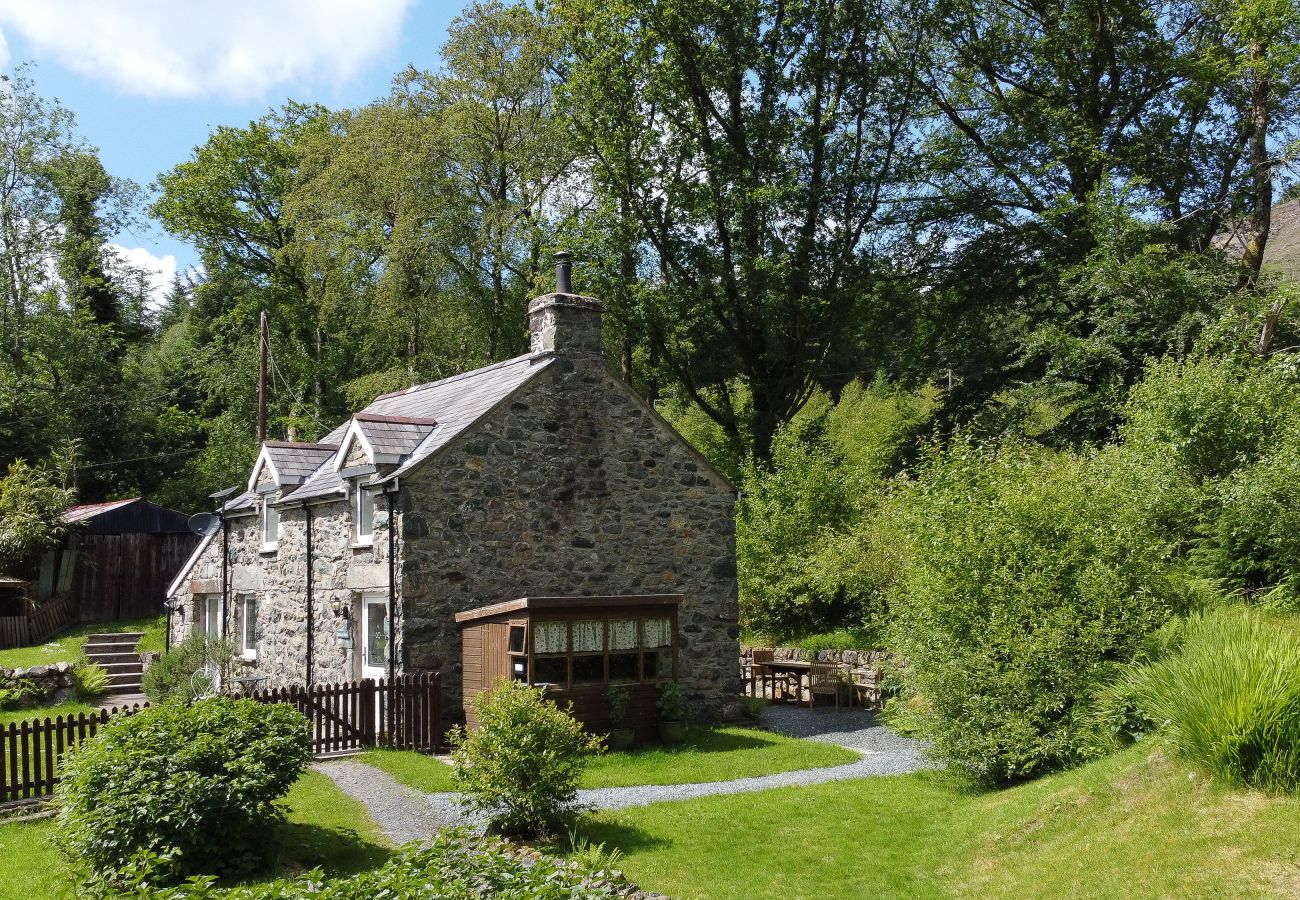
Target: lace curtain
(622, 634)
(588, 637)
(658, 633)
(550, 637)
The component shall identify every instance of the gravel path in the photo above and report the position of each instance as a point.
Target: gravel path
(406, 814)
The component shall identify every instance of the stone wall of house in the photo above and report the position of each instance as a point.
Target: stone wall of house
(573, 486)
(342, 574)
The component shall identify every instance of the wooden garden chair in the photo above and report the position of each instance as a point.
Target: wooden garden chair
(824, 678)
(865, 685)
(759, 673)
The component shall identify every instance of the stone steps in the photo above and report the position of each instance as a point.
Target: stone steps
(116, 655)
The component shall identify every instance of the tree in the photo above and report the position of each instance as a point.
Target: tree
(756, 145)
(32, 503)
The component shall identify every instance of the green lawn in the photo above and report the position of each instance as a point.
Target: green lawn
(67, 646)
(709, 754)
(324, 827)
(1133, 825)
(71, 708)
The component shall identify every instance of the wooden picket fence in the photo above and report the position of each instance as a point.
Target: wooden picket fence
(30, 751)
(402, 715)
(37, 625)
(345, 718)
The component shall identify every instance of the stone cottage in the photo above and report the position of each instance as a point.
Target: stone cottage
(540, 476)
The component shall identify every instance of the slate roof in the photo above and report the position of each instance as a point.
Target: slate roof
(294, 460)
(416, 423)
(398, 435)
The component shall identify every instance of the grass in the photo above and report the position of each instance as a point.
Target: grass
(67, 647)
(709, 754)
(71, 708)
(1132, 825)
(324, 827)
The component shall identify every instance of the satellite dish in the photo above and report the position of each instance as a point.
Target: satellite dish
(204, 524)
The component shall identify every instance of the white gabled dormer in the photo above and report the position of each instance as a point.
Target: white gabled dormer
(384, 440)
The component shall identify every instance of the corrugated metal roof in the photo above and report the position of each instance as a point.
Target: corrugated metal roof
(90, 510)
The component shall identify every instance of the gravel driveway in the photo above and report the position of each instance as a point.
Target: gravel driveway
(406, 814)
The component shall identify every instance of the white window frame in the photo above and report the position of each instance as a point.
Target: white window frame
(362, 495)
(248, 602)
(268, 509)
(208, 616)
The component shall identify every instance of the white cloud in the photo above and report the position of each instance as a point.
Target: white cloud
(232, 48)
(4, 52)
(159, 270)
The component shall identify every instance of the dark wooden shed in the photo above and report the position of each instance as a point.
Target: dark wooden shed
(117, 559)
(577, 647)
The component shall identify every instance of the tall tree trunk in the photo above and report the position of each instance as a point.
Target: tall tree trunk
(1261, 173)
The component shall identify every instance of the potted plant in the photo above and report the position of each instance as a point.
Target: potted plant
(620, 736)
(672, 713)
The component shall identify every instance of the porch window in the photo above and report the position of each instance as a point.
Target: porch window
(595, 651)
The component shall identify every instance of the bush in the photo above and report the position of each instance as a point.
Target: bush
(192, 786)
(1030, 576)
(455, 866)
(672, 703)
(1230, 698)
(522, 764)
(91, 679)
(190, 670)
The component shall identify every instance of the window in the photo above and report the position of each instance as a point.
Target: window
(363, 516)
(596, 651)
(270, 525)
(207, 618)
(248, 627)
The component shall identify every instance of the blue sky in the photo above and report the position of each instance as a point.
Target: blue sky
(150, 79)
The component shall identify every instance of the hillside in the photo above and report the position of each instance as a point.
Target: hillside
(1136, 824)
(1282, 255)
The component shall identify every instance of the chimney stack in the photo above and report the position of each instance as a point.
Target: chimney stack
(565, 322)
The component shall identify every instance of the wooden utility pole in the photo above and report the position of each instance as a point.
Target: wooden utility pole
(264, 342)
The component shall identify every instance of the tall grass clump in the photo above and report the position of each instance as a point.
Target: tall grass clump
(1230, 699)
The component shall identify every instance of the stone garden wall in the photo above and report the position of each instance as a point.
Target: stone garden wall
(37, 686)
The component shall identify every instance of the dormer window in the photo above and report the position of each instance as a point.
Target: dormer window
(363, 516)
(270, 525)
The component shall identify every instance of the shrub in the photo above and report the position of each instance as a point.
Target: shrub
(522, 764)
(672, 703)
(1030, 575)
(455, 866)
(618, 697)
(91, 680)
(21, 693)
(190, 670)
(1252, 543)
(192, 785)
(1230, 698)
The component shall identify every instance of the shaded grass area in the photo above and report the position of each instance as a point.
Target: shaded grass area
(709, 754)
(324, 827)
(1132, 825)
(68, 646)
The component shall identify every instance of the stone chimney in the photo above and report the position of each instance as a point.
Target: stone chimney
(564, 322)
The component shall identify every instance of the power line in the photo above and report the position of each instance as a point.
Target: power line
(120, 462)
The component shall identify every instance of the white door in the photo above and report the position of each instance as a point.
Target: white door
(374, 637)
